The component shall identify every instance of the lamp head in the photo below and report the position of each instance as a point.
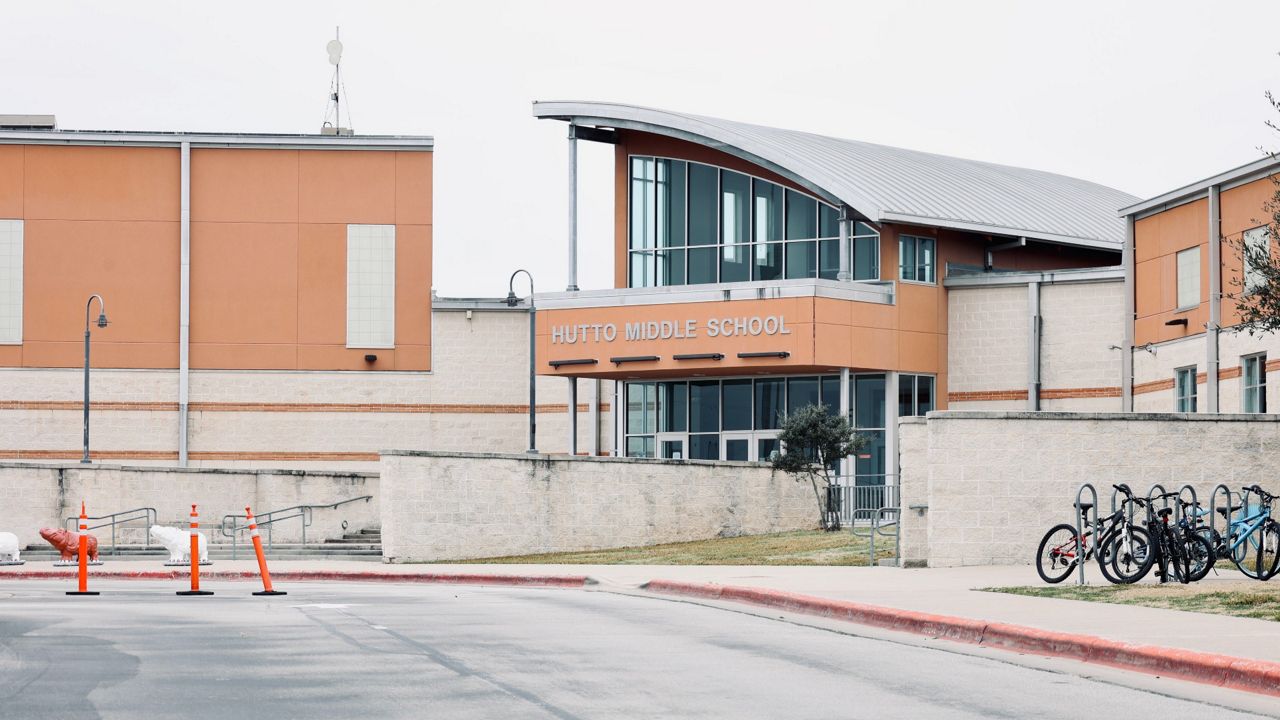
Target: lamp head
(102, 320)
(511, 299)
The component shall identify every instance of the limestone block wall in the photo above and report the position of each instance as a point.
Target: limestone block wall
(913, 442)
(475, 399)
(452, 506)
(1082, 331)
(987, 346)
(1153, 370)
(996, 481)
(41, 495)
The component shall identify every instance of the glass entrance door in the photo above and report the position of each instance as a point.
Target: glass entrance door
(671, 446)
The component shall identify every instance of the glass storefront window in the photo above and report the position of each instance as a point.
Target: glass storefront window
(868, 401)
(737, 402)
(802, 259)
(670, 203)
(802, 217)
(702, 204)
(802, 392)
(831, 393)
(642, 203)
(673, 406)
(915, 394)
(768, 211)
(770, 394)
(768, 264)
(702, 265)
(704, 406)
(704, 447)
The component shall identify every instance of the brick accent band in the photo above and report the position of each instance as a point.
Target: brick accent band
(1153, 386)
(973, 395)
(433, 408)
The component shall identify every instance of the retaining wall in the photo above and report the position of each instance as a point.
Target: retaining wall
(453, 506)
(994, 482)
(41, 495)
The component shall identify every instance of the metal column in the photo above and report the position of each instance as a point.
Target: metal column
(1126, 346)
(1033, 346)
(593, 399)
(845, 469)
(573, 208)
(845, 220)
(184, 304)
(573, 416)
(1212, 361)
(891, 425)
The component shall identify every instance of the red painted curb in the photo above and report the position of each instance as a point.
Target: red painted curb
(1257, 676)
(331, 575)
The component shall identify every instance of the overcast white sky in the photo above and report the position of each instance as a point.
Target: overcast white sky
(1142, 96)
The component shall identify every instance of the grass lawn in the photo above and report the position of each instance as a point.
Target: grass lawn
(1243, 598)
(804, 547)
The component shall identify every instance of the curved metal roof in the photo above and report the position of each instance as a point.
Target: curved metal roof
(888, 184)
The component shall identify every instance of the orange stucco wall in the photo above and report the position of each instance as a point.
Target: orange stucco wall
(1243, 208)
(826, 334)
(268, 253)
(1157, 240)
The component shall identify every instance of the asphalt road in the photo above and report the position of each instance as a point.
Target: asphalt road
(402, 651)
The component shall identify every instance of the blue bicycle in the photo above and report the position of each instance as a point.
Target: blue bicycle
(1253, 537)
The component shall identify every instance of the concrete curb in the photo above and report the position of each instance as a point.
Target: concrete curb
(1256, 676)
(304, 575)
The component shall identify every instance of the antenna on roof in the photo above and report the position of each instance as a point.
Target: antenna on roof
(336, 88)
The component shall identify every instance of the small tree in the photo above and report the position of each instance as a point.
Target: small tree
(1257, 289)
(814, 441)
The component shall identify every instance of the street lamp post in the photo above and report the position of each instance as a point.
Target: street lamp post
(102, 323)
(533, 352)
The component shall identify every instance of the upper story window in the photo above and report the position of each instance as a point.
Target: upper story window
(915, 395)
(1253, 390)
(10, 281)
(1184, 389)
(1257, 249)
(692, 223)
(371, 286)
(1188, 280)
(917, 260)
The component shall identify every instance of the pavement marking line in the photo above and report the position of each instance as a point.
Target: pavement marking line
(1255, 676)
(458, 667)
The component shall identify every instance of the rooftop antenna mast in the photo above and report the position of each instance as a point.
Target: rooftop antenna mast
(334, 48)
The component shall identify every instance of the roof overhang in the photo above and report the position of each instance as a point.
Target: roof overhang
(1235, 177)
(240, 140)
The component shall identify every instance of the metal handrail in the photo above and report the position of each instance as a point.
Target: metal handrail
(269, 518)
(147, 513)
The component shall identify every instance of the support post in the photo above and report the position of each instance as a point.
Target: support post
(573, 416)
(1033, 346)
(847, 465)
(184, 304)
(593, 398)
(845, 265)
(573, 208)
(533, 376)
(891, 426)
(1212, 360)
(1126, 346)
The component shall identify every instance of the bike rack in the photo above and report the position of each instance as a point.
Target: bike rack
(1128, 506)
(1152, 495)
(1194, 520)
(1213, 515)
(1080, 528)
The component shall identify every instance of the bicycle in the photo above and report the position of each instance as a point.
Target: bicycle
(1124, 545)
(1253, 538)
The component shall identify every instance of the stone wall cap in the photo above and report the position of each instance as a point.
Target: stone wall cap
(171, 469)
(549, 458)
(1123, 417)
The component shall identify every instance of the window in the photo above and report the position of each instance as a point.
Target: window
(916, 259)
(1184, 389)
(1257, 250)
(867, 415)
(1189, 278)
(915, 395)
(691, 223)
(10, 281)
(1254, 384)
(371, 286)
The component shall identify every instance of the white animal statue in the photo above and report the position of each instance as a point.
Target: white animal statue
(178, 543)
(8, 547)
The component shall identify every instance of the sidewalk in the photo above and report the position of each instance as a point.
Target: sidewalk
(942, 591)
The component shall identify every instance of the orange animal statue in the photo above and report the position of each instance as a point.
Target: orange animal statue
(68, 543)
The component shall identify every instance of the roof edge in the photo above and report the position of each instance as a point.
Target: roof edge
(212, 139)
(1194, 191)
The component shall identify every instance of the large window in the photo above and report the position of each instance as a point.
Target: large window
(1184, 389)
(1253, 389)
(700, 413)
(917, 260)
(371, 286)
(1188, 280)
(915, 395)
(692, 223)
(10, 281)
(1257, 246)
(867, 411)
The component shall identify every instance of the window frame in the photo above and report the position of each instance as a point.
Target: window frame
(13, 289)
(1177, 278)
(1191, 398)
(1247, 274)
(933, 259)
(1258, 387)
(654, 254)
(915, 393)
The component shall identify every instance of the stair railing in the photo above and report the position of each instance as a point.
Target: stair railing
(146, 514)
(231, 527)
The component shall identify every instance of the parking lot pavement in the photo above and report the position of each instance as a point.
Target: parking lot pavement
(348, 650)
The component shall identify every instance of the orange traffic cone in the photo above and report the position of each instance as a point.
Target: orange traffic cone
(195, 557)
(83, 587)
(262, 559)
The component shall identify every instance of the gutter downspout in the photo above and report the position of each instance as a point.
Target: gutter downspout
(573, 209)
(1126, 346)
(1212, 360)
(184, 307)
(1033, 351)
